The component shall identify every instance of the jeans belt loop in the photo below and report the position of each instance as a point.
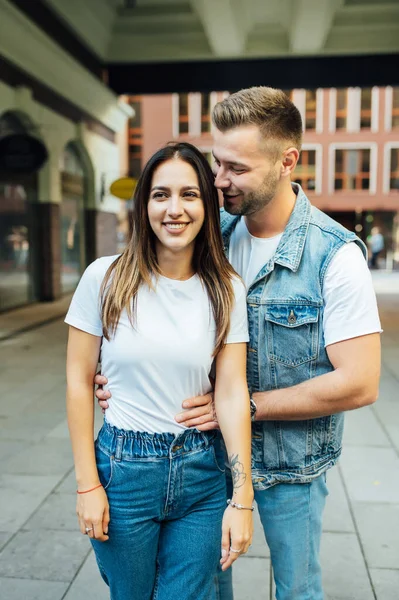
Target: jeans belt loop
(119, 448)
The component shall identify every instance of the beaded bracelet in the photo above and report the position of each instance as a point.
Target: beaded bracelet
(240, 506)
(87, 491)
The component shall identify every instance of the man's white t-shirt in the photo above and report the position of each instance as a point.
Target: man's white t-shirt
(350, 305)
(166, 357)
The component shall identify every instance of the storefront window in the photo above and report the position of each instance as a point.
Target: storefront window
(72, 219)
(17, 191)
(15, 272)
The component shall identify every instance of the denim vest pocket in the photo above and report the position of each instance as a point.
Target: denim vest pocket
(286, 445)
(323, 430)
(292, 333)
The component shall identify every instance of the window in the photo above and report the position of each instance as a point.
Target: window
(305, 171)
(394, 176)
(365, 108)
(183, 113)
(205, 113)
(135, 138)
(310, 115)
(395, 107)
(209, 156)
(342, 108)
(352, 170)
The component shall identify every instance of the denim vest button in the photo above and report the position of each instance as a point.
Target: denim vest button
(251, 350)
(176, 448)
(292, 317)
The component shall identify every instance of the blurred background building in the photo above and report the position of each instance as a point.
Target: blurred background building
(349, 164)
(88, 90)
(58, 216)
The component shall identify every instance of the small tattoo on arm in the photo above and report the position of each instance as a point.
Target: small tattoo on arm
(237, 471)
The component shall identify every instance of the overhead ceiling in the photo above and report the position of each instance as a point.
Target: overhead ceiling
(139, 31)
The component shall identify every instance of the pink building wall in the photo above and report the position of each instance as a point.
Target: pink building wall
(356, 209)
(159, 127)
(157, 123)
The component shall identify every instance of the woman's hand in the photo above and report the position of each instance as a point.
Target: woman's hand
(93, 513)
(237, 531)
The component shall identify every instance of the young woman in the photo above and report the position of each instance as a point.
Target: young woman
(151, 493)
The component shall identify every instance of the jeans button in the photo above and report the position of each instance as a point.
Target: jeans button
(176, 448)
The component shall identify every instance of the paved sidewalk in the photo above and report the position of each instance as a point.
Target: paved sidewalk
(42, 555)
(30, 317)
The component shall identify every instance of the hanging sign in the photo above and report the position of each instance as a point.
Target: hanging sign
(21, 153)
(123, 188)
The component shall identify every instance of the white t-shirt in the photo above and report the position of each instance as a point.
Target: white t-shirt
(350, 305)
(166, 357)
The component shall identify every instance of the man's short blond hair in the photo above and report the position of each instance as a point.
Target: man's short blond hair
(270, 109)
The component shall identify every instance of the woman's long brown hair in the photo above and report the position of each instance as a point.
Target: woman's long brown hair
(138, 262)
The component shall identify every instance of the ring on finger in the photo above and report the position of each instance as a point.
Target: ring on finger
(87, 529)
(235, 551)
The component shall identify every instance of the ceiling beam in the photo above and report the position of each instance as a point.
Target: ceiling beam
(225, 25)
(286, 73)
(311, 23)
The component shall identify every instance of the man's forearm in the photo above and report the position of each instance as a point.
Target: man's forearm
(318, 397)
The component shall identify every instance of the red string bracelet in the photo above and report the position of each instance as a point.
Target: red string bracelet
(87, 491)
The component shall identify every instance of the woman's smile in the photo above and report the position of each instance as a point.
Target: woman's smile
(175, 227)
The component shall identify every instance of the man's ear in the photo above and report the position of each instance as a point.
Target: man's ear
(289, 162)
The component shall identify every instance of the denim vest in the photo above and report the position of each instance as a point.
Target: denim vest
(286, 347)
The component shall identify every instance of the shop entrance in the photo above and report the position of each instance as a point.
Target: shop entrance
(18, 192)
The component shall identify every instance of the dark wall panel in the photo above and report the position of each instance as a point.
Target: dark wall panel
(285, 73)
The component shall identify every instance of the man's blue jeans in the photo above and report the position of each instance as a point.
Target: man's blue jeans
(167, 496)
(291, 516)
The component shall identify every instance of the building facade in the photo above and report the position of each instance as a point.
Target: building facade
(349, 164)
(56, 218)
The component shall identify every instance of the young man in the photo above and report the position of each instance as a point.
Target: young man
(314, 347)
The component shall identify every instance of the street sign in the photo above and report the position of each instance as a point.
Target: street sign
(123, 188)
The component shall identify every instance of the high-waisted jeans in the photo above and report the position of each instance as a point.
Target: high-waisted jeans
(167, 495)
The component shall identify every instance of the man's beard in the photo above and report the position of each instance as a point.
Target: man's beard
(255, 201)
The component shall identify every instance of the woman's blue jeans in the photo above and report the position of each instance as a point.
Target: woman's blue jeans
(167, 496)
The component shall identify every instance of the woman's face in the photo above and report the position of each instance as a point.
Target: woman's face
(175, 208)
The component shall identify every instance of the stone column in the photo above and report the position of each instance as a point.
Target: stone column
(47, 232)
(47, 216)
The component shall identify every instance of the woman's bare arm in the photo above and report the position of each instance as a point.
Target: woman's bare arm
(82, 358)
(233, 414)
